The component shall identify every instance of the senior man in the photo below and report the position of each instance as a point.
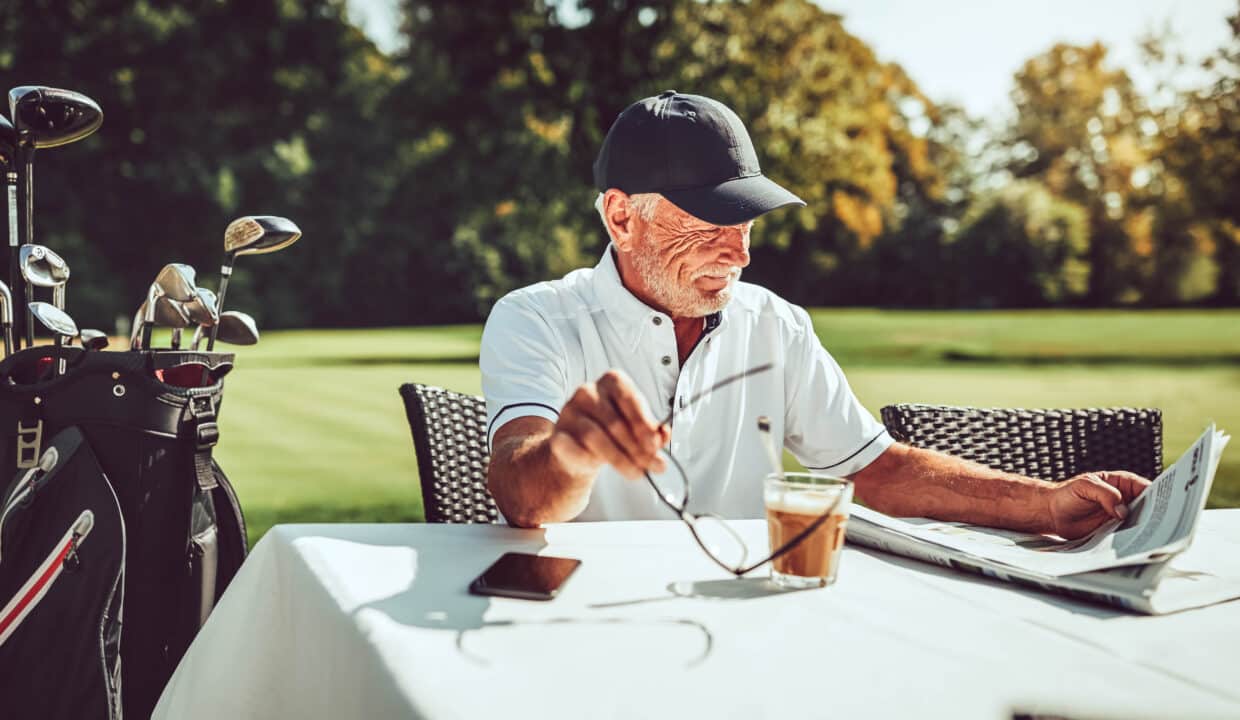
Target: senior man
(575, 369)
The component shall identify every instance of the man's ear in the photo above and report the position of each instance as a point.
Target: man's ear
(620, 218)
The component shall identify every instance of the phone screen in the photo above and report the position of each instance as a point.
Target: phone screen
(521, 575)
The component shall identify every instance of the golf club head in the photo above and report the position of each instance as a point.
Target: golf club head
(6, 317)
(93, 339)
(54, 319)
(258, 234)
(176, 280)
(6, 297)
(202, 309)
(49, 117)
(42, 267)
(168, 313)
(8, 142)
(237, 328)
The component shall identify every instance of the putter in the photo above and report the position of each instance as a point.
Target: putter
(8, 163)
(93, 339)
(176, 282)
(44, 117)
(251, 235)
(168, 313)
(202, 310)
(6, 315)
(236, 328)
(56, 320)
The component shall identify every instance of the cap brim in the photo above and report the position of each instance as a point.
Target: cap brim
(735, 201)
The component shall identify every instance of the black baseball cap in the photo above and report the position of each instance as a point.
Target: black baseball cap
(693, 151)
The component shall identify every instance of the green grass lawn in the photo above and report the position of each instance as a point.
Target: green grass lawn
(313, 429)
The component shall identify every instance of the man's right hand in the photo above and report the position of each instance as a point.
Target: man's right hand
(606, 422)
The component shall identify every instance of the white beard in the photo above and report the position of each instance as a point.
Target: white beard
(682, 300)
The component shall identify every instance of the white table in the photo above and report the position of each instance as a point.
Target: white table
(374, 621)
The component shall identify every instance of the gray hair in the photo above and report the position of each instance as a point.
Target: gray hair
(642, 203)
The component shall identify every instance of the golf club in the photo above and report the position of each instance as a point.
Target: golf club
(42, 268)
(251, 235)
(93, 339)
(176, 282)
(201, 310)
(8, 163)
(167, 314)
(235, 328)
(44, 117)
(6, 315)
(56, 320)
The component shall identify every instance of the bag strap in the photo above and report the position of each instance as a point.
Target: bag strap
(205, 432)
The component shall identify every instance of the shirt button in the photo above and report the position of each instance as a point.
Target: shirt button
(658, 320)
(667, 359)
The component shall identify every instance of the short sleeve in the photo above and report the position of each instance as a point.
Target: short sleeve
(826, 427)
(523, 365)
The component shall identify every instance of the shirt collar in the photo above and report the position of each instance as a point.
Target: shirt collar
(629, 315)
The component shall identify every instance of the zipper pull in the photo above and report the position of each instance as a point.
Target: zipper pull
(81, 527)
(72, 561)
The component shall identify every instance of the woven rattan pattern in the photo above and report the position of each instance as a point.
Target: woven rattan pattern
(449, 436)
(1047, 444)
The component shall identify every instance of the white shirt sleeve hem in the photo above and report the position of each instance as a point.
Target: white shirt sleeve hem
(512, 412)
(862, 457)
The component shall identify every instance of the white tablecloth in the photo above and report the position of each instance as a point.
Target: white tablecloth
(375, 621)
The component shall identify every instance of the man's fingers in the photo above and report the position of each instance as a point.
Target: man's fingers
(598, 440)
(1130, 485)
(627, 419)
(617, 388)
(610, 424)
(1108, 496)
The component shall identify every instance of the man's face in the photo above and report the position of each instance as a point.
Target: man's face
(688, 265)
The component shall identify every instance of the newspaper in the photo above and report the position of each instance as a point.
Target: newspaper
(1136, 564)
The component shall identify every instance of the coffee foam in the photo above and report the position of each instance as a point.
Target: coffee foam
(804, 503)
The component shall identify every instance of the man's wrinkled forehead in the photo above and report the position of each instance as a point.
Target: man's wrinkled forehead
(669, 214)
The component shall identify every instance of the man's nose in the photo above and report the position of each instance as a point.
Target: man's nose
(734, 246)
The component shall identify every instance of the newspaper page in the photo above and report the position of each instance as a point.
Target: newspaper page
(1207, 573)
(1160, 524)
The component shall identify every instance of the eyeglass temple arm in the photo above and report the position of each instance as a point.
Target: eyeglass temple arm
(726, 381)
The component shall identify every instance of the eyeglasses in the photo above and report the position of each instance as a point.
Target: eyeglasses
(717, 538)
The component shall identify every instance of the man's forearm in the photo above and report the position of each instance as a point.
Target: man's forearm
(530, 487)
(911, 482)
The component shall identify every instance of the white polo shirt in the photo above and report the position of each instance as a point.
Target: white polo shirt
(543, 341)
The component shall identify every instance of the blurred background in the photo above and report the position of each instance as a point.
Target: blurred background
(1008, 205)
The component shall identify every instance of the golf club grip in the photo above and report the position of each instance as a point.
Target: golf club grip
(27, 183)
(14, 241)
(225, 274)
(29, 315)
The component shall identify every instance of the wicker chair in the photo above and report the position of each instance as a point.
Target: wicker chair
(1046, 444)
(449, 436)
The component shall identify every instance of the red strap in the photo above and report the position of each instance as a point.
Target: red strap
(48, 575)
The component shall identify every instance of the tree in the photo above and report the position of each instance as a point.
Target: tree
(1021, 246)
(1078, 131)
(845, 131)
(211, 110)
(1197, 172)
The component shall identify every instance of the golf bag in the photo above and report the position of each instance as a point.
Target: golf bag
(118, 532)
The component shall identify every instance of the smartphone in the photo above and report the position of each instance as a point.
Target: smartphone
(524, 576)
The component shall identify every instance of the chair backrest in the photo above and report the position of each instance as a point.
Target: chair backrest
(449, 437)
(1045, 444)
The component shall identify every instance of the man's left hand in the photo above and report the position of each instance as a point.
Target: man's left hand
(1077, 507)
